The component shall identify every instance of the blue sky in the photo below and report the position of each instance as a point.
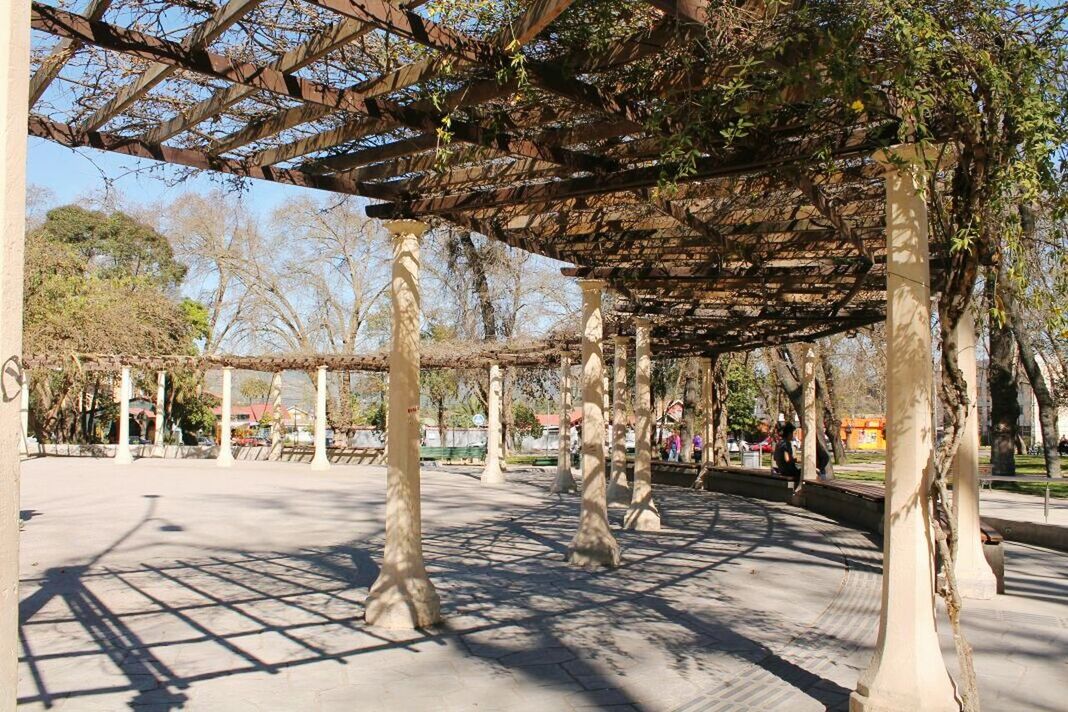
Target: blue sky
(73, 173)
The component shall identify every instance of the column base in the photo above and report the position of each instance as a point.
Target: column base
(320, 465)
(618, 494)
(123, 458)
(565, 482)
(593, 547)
(978, 583)
(224, 460)
(402, 603)
(642, 517)
(493, 475)
(900, 703)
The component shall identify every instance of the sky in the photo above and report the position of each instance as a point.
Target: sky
(74, 173)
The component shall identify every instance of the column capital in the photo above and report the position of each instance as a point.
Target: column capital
(622, 339)
(400, 228)
(590, 285)
(228, 368)
(643, 322)
(914, 157)
(322, 367)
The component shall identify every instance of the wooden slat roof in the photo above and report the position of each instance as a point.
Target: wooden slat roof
(752, 246)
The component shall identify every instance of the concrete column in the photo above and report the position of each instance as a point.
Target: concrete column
(403, 596)
(275, 452)
(642, 514)
(320, 461)
(975, 579)
(15, 68)
(161, 401)
(707, 392)
(808, 417)
(907, 672)
(565, 481)
(123, 456)
(226, 452)
(593, 544)
(618, 491)
(492, 474)
(24, 412)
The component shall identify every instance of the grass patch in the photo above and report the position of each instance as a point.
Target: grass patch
(865, 456)
(847, 474)
(530, 460)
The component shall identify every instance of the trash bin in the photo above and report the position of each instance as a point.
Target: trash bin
(751, 459)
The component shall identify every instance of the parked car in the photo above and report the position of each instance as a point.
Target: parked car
(765, 445)
(250, 441)
(204, 441)
(138, 440)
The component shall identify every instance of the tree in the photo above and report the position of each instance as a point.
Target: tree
(526, 423)
(253, 389)
(96, 283)
(441, 385)
(742, 392)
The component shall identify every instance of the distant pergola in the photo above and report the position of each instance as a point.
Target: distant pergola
(752, 248)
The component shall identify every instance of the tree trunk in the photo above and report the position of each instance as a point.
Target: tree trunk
(720, 454)
(442, 433)
(830, 408)
(478, 272)
(1004, 399)
(1047, 406)
(507, 416)
(791, 386)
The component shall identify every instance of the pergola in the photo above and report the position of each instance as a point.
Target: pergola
(508, 132)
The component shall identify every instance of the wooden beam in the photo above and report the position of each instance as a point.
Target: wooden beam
(742, 162)
(76, 138)
(534, 20)
(201, 36)
(695, 11)
(830, 210)
(52, 65)
(475, 93)
(65, 24)
(297, 58)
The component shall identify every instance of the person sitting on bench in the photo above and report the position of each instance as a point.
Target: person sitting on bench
(785, 462)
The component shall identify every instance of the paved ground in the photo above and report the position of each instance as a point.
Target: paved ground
(1022, 507)
(175, 585)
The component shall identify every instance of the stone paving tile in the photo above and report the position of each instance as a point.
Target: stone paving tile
(740, 605)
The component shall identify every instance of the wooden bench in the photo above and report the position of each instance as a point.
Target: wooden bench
(861, 504)
(758, 483)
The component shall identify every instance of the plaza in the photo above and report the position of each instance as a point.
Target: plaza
(174, 585)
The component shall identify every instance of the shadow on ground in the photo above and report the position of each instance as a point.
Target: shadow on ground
(517, 616)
